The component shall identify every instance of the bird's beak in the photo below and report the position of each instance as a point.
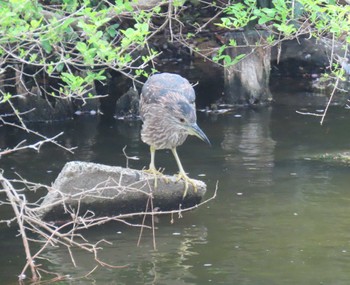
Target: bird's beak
(194, 130)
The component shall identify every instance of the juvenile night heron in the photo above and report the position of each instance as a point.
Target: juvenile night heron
(168, 112)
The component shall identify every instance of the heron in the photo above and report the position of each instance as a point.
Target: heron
(168, 112)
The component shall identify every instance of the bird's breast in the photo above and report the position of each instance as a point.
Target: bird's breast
(161, 133)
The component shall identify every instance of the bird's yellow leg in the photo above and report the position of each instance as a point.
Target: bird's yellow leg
(182, 174)
(152, 168)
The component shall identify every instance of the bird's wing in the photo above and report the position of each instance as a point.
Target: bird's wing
(160, 86)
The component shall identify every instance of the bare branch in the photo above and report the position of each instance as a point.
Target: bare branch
(68, 234)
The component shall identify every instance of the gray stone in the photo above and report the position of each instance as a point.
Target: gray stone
(112, 190)
(128, 104)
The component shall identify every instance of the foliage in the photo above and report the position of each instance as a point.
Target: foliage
(75, 41)
(291, 19)
(287, 17)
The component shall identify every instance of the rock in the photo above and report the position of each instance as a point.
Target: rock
(112, 190)
(87, 106)
(128, 104)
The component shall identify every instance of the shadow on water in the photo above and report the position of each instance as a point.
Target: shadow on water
(279, 218)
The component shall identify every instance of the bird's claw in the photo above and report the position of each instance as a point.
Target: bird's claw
(156, 173)
(187, 180)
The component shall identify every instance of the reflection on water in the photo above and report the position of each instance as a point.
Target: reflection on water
(144, 265)
(255, 148)
(279, 218)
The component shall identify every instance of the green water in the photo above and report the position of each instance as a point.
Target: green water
(279, 217)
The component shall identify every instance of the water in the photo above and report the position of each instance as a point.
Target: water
(280, 217)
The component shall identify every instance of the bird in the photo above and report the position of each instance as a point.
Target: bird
(168, 111)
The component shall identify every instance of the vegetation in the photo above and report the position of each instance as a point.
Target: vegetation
(60, 48)
(74, 42)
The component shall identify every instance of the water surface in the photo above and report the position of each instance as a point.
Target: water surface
(279, 216)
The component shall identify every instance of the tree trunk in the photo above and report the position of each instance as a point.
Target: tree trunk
(247, 82)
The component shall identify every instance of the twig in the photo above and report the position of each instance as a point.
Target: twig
(128, 157)
(143, 222)
(15, 203)
(330, 100)
(67, 234)
(309, 114)
(38, 144)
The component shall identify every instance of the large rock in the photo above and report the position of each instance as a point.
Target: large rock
(111, 190)
(128, 105)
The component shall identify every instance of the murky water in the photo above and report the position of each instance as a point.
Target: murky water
(279, 217)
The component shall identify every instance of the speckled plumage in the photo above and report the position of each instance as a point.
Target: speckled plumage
(168, 112)
(166, 99)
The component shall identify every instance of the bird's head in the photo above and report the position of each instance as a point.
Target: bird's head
(182, 114)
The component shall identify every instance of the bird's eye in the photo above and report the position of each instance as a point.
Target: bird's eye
(182, 120)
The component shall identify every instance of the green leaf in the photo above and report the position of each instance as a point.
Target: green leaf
(46, 45)
(81, 46)
(49, 69)
(35, 24)
(6, 96)
(112, 30)
(33, 57)
(60, 67)
(99, 34)
(232, 43)
(238, 58)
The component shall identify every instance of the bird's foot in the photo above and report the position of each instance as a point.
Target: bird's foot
(187, 180)
(156, 173)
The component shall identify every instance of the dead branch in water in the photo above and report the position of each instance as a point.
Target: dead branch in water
(68, 234)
